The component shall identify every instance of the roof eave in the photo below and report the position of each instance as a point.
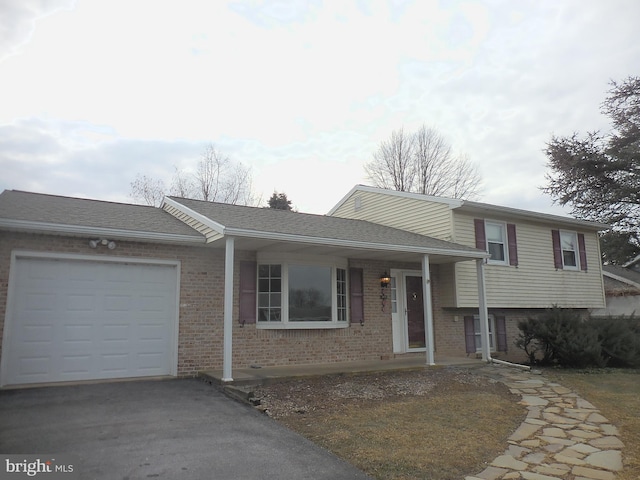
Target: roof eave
(621, 279)
(203, 219)
(334, 242)
(541, 217)
(81, 230)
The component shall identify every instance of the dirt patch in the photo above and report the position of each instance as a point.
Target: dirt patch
(437, 423)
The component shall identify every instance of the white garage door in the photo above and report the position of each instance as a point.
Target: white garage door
(74, 319)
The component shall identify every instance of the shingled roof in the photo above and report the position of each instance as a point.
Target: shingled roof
(254, 222)
(50, 213)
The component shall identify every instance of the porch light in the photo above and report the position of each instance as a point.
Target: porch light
(385, 280)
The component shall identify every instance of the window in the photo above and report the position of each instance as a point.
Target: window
(299, 294)
(394, 295)
(498, 239)
(478, 335)
(497, 333)
(569, 250)
(269, 293)
(496, 242)
(569, 246)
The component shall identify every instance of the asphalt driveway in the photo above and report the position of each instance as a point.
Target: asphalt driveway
(171, 429)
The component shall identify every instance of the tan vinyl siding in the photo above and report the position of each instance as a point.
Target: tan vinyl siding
(209, 233)
(535, 283)
(418, 216)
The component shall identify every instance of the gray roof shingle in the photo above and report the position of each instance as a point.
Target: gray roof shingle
(67, 211)
(316, 226)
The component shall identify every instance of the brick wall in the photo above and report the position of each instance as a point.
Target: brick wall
(200, 340)
(200, 343)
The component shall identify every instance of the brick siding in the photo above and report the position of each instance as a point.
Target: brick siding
(200, 342)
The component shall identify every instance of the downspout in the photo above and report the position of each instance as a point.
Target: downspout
(227, 368)
(483, 312)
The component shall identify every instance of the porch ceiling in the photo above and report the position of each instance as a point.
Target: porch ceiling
(383, 254)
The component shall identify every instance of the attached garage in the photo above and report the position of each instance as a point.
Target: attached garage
(72, 317)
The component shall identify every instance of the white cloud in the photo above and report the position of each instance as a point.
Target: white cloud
(301, 91)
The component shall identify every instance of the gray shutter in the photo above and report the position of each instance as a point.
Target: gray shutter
(481, 238)
(513, 244)
(248, 292)
(469, 335)
(356, 295)
(501, 334)
(583, 252)
(557, 249)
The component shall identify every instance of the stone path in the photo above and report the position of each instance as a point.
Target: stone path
(563, 436)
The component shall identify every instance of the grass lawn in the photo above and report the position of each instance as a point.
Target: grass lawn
(616, 393)
(392, 427)
(449, 431)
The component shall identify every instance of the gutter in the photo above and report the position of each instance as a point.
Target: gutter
(286, 237)
(79, 230)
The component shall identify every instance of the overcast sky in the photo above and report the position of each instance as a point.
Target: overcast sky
(93, 92)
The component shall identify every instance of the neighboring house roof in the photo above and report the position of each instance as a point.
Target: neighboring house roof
(269, 226)
(620, 280)
(34, 212)
(479, 208)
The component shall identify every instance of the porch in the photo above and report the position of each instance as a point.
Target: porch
(263, 375)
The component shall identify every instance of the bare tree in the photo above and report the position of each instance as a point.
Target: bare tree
(216, 178)
(147, 190)
(423, 162)
(393, 165)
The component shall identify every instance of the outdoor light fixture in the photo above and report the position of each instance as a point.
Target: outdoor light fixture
(110, 244)
(385, 280)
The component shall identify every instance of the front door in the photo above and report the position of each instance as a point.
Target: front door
(415, 312)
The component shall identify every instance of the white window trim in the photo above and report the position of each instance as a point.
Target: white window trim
(576, 251)
(505, 242)
(285, 261)
(492, 333)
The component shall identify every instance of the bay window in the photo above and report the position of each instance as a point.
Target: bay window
(302, 292)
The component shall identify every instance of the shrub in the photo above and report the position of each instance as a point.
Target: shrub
(620, 340)
(562, 337)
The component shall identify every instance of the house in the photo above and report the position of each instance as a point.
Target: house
(622, 290)
(97, 290)
(536, 261)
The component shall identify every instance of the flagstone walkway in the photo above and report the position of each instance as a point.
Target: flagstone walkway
(563, 436)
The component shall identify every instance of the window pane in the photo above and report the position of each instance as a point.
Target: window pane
(263, 300)
(494, 232)
(263, 285)
(496, 250)
(309, 293)
(276, 300)
(263, 271)
(569, 258)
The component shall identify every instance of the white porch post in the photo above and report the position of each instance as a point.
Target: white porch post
(428, 310)
(484, 314)
(228, 311)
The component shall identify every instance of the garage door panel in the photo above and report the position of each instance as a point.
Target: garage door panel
(81, 320)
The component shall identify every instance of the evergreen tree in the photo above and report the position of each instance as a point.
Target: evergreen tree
(279, 201)
(599, 175)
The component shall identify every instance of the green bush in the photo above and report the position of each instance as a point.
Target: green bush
(560, 337)
(620, 340)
